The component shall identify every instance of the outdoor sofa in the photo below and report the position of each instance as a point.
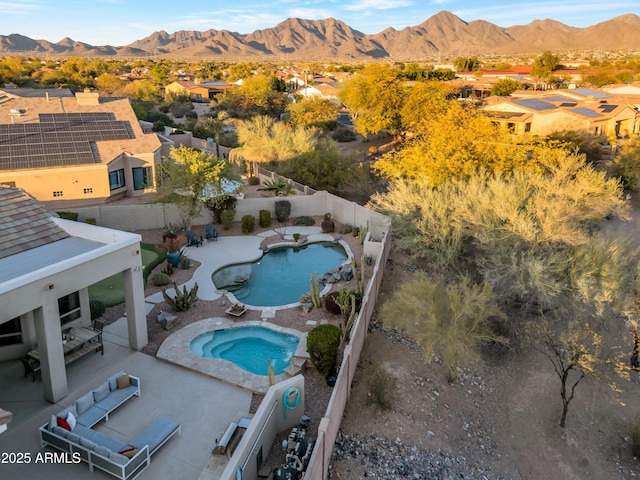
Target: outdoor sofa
(70, 430)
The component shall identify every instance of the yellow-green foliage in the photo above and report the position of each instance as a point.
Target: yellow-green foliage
(445, 320)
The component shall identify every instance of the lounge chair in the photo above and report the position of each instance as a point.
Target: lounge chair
(192, 240)
(211, 233)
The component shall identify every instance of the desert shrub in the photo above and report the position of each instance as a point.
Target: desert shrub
(345, 228)
(248, 223)
(343, 134)
(322, 343)
(253, 181)
(634, 433)
(160, 279)
(226, 218)
(305, 220)
(355, 231)
(97, 309)
(91, 221)
(68, 215)
(264, 217)
(168, 269)
(383, 388)
(164, 108)
(330, 303)
(191, 114)
(283, 210)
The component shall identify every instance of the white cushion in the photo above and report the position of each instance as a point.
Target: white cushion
(53, 422)
(71, 420)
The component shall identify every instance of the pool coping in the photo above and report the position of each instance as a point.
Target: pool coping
(176, 349)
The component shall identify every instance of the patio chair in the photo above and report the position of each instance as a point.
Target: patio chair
(211, 233)
(98, 326)
(31, 366)
(192, 240)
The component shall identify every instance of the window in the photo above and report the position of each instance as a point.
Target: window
(511, 127)
(11, 332)
(57, 194)
(69, 308)
(527, 127)
(88, 190)
(141, 178)
(116, 179)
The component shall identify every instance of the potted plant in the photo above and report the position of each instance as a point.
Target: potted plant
(172, 243)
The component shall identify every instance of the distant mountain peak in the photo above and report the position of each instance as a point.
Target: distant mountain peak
(443, 33)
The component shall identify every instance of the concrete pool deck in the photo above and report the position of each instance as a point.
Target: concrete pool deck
(202, 406)
(176, 349)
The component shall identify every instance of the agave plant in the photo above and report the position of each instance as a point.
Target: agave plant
(279, 187)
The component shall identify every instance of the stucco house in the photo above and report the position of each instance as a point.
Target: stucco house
(196, 91)
(67, 149)
(46, 267)
(541, 113)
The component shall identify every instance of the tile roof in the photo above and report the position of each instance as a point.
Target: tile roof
(24, 224)
(30, 108)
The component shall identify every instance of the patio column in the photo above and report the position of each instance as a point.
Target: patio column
(136, 314)
(49, 337)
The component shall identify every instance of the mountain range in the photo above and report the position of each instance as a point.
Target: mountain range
(295, 38)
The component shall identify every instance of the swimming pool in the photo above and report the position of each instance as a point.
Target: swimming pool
(248, 347)
(281, 275)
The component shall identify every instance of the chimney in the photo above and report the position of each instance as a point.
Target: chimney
(87, 97)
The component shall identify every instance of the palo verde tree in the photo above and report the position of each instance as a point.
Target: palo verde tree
(374, 97)
(189, 175)
(450, 321)
(576, 352)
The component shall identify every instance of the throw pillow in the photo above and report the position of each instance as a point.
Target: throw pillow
(123, 381)
(71, 420)
(63, 423)
(101, 392)
(113, 381)
(130, 453)
(84, 403)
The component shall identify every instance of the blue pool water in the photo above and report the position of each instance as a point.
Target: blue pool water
(281, 275)
(248, 347)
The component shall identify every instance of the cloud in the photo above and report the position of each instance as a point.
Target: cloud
(377, 5)
(310, 13)
(19, 7)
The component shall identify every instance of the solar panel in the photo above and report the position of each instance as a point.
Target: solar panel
(535, 104)
(586, 112)
(555, 98)
(568, 104)
(607, 108)
(587, 92)
(60, 139)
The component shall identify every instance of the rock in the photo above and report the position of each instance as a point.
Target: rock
(306, 307)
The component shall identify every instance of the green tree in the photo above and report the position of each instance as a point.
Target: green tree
(375, 99)
(313, 111)
(505, 87)
(466, 64)
(450, 321)
(265, 140)
(191, 175)
(627, 164)
(258, 95)
(210, 127)
(109, 84)
(142, 91)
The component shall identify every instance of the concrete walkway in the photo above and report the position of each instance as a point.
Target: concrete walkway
(202, 405)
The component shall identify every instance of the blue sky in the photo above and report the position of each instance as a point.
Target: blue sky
(120, 22)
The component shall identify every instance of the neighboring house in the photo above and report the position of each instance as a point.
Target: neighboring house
(46, 267)
(542, 113)
(70, 150)
(197, 91)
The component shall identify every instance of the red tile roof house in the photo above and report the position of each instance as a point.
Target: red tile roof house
(46, 267)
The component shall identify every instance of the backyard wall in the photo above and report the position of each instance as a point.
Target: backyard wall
(264, 427)
(272, 417)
